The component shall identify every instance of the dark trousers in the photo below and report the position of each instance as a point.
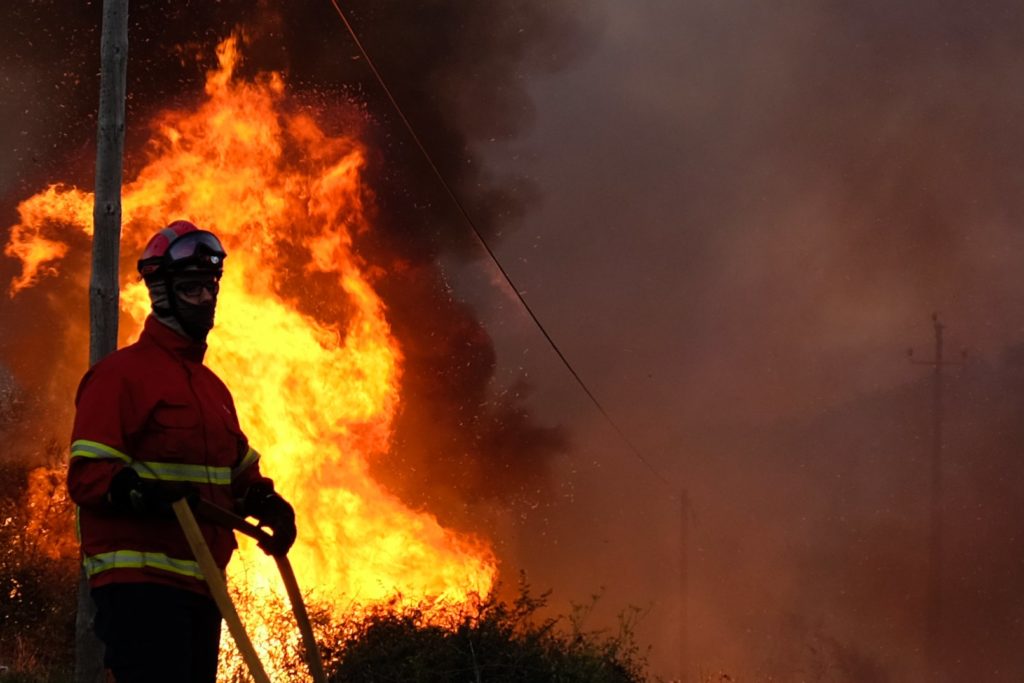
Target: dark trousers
(157, 634)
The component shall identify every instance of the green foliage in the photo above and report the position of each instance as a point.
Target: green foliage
(486, 641)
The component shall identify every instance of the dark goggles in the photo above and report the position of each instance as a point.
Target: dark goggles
(198, 247)
(194, 288)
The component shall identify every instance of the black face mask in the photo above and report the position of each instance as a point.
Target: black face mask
(195, 319)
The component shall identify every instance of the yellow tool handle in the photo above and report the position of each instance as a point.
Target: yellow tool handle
(229, 519)
(316, 664)
(219, 589)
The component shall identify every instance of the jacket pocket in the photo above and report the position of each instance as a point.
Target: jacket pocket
(174, 434)
(176, 416)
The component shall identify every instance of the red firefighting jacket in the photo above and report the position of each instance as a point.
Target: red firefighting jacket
(153, 406)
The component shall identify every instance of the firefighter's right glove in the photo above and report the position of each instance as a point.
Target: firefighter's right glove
(274, 512)
(132, 494)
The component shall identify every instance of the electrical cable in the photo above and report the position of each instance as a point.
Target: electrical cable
(490, 252)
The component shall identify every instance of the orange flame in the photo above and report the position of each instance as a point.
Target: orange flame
(47, 501)
(317, 397)
(40, 216)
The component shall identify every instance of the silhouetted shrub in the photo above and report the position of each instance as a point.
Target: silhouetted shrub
(486, 641)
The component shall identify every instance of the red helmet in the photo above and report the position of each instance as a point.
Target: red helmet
(179, 245)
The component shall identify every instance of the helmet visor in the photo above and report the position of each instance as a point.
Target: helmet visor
(198, 247)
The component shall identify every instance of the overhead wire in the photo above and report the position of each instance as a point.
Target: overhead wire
(490, 252)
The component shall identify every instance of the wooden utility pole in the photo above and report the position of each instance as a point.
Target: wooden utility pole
(104, 290)
(684, 588)
(935, 517)
(933, 607)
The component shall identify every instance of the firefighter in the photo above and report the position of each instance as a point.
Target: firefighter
(154, 425)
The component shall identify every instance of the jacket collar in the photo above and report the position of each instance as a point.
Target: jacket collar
(172, 341)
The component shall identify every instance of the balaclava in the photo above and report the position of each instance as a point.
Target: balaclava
(192, 320)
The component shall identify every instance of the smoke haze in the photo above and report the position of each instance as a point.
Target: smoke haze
(749, 214)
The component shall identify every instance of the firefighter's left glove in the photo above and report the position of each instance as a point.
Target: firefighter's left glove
(274, 512)
(132, 494)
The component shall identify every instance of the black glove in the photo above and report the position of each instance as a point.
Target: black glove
(273, 511)
(131, 493)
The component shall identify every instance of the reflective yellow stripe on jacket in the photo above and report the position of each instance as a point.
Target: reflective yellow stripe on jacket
(84, 448)
(251, 457)
(172, 471)
(135, 559)
(166, 471)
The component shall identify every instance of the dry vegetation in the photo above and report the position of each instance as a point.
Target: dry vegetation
(37, 580)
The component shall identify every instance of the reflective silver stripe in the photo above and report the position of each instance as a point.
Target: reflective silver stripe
(167, 471)
(251, 457)
(94, 449)
(134, 559)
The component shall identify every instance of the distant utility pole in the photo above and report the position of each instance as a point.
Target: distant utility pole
(104, 289)
(684, 588)
(933, 608)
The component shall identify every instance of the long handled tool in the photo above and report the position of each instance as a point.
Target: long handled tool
(219, 515)
(219, 589)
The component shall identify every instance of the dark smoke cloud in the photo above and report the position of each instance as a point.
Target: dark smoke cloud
(461, 439)
(459, 69)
